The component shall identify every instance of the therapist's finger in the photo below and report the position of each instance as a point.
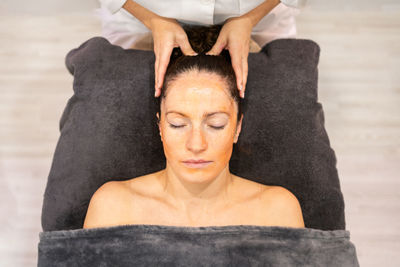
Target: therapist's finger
(156, 63)
(185, 46)
(245, 69)
(219, 45)
(244, 75)
(236, 58)
(162, 66)
(155, 69)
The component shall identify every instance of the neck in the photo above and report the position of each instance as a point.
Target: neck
(196, 198)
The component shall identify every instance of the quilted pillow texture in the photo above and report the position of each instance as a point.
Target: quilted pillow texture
(108, 130)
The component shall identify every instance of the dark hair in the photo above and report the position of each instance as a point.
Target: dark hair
(202, 39)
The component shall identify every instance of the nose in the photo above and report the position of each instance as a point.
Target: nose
(197, 141)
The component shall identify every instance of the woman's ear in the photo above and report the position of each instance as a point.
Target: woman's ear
(158, 123)
(238, 129)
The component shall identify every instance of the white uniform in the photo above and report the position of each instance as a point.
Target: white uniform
(123, 29)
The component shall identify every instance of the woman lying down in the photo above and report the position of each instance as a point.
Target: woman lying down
(199, 120)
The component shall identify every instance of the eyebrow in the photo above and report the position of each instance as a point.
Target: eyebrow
(206, 114)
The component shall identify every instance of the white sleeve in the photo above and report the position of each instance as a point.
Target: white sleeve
(291, 3)
(112, 5)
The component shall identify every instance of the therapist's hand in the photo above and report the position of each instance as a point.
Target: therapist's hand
(167, 34)
(235, 36)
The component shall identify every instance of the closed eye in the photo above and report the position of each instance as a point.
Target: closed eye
(180, 126)
(175, 126)
(217, 127)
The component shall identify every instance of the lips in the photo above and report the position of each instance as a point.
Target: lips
(196, 163)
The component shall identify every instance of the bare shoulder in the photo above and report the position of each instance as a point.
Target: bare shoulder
(144, 185)
(283, 207)
(245, 186)
(106, 204)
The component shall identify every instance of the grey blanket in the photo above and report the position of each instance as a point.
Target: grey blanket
(159, 245)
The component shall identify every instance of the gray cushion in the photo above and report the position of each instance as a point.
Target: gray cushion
(109, 131)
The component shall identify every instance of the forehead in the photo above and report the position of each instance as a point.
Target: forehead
(193, 92)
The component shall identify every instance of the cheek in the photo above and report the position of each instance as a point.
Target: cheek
(173, 142)
(221, 145)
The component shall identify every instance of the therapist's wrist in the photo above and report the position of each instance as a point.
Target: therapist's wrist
(257, 13)
(141, 13)
(251, 19)
(155, 21)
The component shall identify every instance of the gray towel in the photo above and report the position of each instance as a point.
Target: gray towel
(158, 245)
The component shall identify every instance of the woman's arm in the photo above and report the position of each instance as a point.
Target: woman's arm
(283, 208)
(106, 206)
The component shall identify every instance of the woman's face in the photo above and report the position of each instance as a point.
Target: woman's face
(198, 122)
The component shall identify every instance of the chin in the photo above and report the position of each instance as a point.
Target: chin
(198, 175)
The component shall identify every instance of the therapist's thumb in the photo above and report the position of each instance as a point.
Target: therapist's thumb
(187, 50)
(218, 46)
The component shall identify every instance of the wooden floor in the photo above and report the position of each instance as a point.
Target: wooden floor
(359, 87)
